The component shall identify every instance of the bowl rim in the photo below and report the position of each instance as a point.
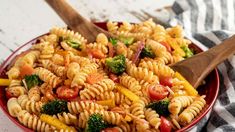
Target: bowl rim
(186, 128)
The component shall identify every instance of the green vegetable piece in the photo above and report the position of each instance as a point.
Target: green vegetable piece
(117, 64)
(188, 52)
(113, 41)
(96, 123)
(127, 41)
(55, 107)
(32, 80)
(73, 43)
(147, 52)
(161, 107)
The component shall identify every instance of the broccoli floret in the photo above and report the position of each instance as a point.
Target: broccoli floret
(54, 107)
(96, 123)
(188, 52)
(127, 41)
(73, 43)
(117, 64)
(32, 80)
(161, 107)
(147, 52)
(113, 41)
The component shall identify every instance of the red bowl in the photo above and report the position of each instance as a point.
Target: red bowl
(210, 89)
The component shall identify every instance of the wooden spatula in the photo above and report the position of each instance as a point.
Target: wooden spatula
(75, 21)
(194, 69)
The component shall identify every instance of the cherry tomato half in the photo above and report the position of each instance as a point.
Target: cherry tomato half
(168, 47)
(64, 92)
(166, 81)
(110, 130)
(9, 94)
(166, 125)
(157, 92)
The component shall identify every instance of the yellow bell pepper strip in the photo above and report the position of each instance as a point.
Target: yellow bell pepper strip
(109, 103)
(127, 93)
(5, 82)
(56, 123)
(188, 87)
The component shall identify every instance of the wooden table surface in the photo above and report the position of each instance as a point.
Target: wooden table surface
(23, 20)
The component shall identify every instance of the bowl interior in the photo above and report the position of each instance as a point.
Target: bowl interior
(210, 89)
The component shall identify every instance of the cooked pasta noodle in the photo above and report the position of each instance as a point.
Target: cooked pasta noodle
(118, 78)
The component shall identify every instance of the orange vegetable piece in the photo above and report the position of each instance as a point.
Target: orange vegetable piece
(94, 78)
(26, 69)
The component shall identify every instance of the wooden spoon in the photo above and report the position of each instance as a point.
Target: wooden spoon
(197, 67)
(194, 69)
(75, 21)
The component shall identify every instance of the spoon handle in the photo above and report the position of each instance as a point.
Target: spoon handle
(196, 68)
(75, 21)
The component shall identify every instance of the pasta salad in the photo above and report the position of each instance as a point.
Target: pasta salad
(64, 83)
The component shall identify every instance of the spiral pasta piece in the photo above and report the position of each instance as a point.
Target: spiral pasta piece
(178, 103)
(47, 76)
(123, 127)
(33, 122)
(141, 73)
(152, 117)
(81, 106)
(80, 77)
(30, 106)
(96, 89)
(116, 96)
(58, 70)
(102, 39)
(13, 107)
(98, 46)
(109, 116)
(142, 126)
(175, 32)
(131, 83)
(137, 109)
(192, 111)
(137, 36)
(29, 59)
(51, 38)
(58, 59)
(15, 88)
(112, 26)
(126, 26)
(34, 94)
(158, 69)
(159, 34)
(82, 61)
(62, 32)
(66, 118)
(73, 68)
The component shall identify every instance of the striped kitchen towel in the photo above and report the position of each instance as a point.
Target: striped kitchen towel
(210, 22)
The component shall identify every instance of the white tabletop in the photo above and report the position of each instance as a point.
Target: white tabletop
(22, 20)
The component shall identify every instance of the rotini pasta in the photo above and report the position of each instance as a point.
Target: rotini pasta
(96, 89)
(116, 78)
(33, 122)
(30, 106)
(81, 106)
(47, 76)
(192, 111)
(178, 103)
